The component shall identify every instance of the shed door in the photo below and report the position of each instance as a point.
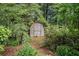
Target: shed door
(37, 30)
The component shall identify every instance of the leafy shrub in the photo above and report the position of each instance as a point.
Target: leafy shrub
(4, 34)
(1, 49)
(55, 35)
(66, 51)
(12, 42)
(19, 32)
(60, 35)
(27, 50)
(26, 38)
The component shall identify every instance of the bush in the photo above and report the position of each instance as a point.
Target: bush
(66, 51)
(26, 38)
(60, 35)
(55, 35)
(4, 34)
(12, 42)
(1, 49)
(19, 33)
(27, 50)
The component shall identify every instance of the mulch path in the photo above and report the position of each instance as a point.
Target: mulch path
(11, 51)
(42, 51)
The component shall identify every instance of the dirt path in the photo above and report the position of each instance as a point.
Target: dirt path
(11, 51)
(42, 51)
(35, 43)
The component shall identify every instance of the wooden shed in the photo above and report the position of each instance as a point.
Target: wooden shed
(36, 29)
(37, 34)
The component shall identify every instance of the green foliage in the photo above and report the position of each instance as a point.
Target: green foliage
(20, 13)
(66, 14)
(60, 35)
(64, 28)
(12, 42)
(19, 35)
(19, 18)
(1, 49)
(55, 35)
(66, 51)
(27, 50)
(26, 38)
(4, 34)
(20, 30)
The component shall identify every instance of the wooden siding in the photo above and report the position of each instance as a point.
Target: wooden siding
(37, 30)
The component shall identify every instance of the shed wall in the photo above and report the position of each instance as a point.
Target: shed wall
(37, 29)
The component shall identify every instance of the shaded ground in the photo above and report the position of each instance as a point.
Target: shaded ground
(11, 51)
(42, 51)
(35, 43)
